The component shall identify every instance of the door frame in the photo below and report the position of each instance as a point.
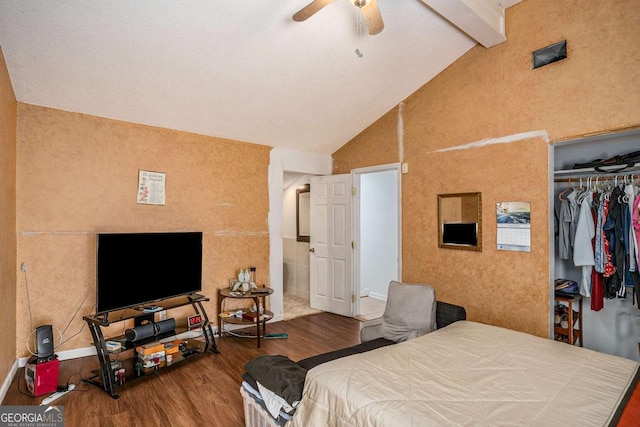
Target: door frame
(281, 160)
(356, 180)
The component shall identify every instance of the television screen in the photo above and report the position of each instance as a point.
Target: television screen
(460, 233)
(134, 269)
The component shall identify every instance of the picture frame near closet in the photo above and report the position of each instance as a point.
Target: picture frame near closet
(303, 213)
(460, 221)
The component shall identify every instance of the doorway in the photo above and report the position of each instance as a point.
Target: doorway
(378, 236)
(283, 160)
(295, 267)
(286, 160)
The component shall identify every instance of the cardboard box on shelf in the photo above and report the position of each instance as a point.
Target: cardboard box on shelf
(150, 348)
(171, 348)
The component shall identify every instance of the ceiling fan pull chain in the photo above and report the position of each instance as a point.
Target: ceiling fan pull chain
(359, 54)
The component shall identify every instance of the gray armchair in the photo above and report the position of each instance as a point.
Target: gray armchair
(410, 312)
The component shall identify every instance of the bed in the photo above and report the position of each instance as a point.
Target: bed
(466, 374)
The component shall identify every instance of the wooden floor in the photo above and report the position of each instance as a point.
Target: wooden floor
(203, 391)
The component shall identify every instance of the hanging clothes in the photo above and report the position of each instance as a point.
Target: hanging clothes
(609, 268)
(599, 250)
(597, 291)
(566, 218)
(597, 281)
(635, 220)
(582, 248)
(599, 229)
(574, 209)
(629, 261)
(635, 277)
(630, 244)
(615, 234)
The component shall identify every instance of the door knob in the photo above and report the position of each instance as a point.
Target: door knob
(312, 250)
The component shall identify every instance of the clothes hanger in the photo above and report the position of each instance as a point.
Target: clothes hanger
(630, 189)
(565, 191)
(585, 191)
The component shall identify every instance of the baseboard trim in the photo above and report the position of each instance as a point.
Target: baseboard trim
(65, 355)
(8, 380)
(376, 295)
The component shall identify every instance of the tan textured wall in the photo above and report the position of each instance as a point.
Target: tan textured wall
(491, 93)
(77, 176)
(7, 220)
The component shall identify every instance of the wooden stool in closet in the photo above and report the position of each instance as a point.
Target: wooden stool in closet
(568, 322)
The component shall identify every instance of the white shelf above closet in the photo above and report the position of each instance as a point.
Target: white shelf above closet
(610, 171)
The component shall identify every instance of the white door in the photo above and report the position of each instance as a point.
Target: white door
(330, 244)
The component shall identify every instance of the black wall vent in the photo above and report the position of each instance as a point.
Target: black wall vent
(549, 54)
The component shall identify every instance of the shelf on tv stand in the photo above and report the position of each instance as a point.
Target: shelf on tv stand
(107, 318)
(105, 379)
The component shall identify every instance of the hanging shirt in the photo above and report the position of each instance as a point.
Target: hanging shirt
(582, 247)
(615, 233)
(599, 244)
(574, 211)
(564, 230)
(635, 221)
(630, 246)
(609, 268)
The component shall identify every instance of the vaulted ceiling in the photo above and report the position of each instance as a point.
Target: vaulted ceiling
(237, 69)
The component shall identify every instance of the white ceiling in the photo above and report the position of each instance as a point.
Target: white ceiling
(238, 69)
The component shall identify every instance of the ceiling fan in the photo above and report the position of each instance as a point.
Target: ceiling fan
(369, 9)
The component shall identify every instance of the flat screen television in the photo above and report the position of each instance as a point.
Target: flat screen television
(134, 269)
(460, 233)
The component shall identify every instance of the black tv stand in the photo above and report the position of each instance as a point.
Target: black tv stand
(104, 377)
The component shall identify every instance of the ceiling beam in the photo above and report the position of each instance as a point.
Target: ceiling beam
(482, 20)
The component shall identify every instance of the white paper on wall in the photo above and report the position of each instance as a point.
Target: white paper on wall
(151, 187)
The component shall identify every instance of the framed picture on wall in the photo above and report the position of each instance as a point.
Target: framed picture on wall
(151, 187)
(513, 226)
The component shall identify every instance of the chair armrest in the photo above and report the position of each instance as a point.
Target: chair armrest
(447, 314)
(371, 330)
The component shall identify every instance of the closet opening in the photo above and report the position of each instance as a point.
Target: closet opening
(594, 243)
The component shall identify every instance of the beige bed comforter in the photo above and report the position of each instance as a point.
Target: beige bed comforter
(467, 374)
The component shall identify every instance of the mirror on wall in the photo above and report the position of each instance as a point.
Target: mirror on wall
(303, 214)
(460, 221)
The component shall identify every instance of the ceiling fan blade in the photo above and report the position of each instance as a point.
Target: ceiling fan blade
(310, 9)
(372, 16)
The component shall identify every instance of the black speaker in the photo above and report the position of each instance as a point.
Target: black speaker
(164, 326)
(140, 332)
(44, 340)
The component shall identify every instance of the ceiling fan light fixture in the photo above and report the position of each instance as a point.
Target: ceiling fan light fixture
(369, 9)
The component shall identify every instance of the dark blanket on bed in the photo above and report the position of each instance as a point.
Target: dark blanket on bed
(279, 374)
